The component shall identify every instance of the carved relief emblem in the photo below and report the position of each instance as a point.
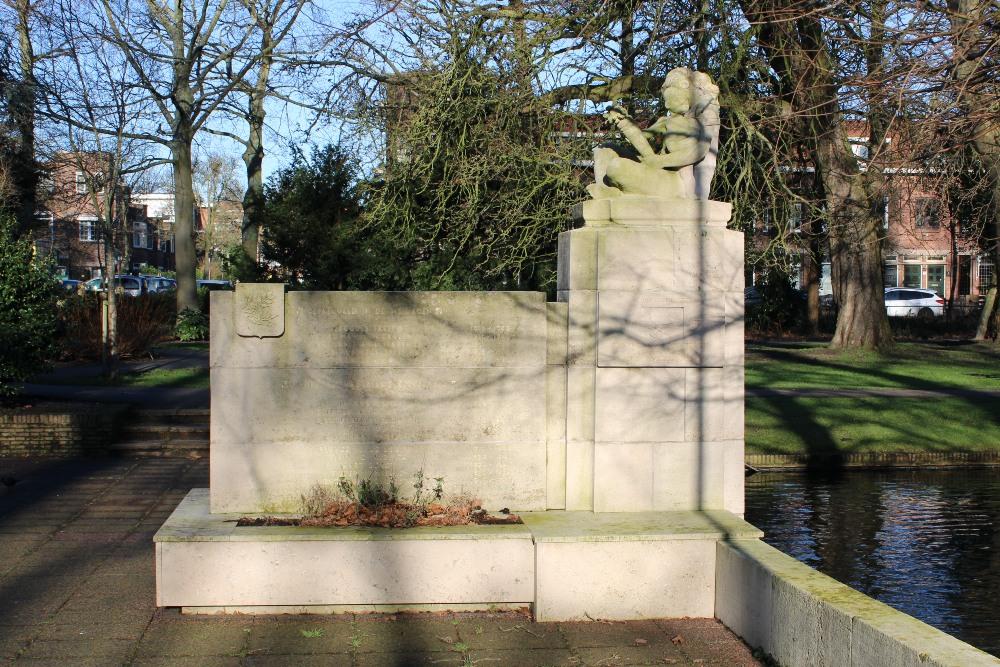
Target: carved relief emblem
(260, 310)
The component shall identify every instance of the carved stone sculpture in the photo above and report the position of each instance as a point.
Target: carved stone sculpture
(683, 165)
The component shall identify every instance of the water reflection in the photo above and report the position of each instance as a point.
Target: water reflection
(925, 542)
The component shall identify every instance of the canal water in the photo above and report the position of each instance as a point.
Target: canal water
(926, 542)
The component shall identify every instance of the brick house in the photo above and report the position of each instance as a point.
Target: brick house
(68, 222)
(923, 245)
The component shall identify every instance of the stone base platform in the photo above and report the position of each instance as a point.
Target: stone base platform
(566, 565)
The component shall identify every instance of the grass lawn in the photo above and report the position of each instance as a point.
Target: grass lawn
(187, 378)
(789, 425)
(185, 346)
(911, 366)
(822, 425)
(183, 378)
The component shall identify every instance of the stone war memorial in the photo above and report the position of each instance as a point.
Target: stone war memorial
(611, 421)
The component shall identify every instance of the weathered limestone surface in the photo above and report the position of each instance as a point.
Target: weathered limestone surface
(654, 299)
(382, 384)
(628, 566)
(197, 553)
(802, 617)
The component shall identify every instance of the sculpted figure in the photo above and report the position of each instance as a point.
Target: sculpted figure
(687, 140)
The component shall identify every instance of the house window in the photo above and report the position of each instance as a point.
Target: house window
(139, 236)
(935, 277)
(911, 275)
(987, 277)
(81, 183)
(927, 212)
(164, 245)
(891, 275)
(795, 217)
(859, 146)
(88, 229)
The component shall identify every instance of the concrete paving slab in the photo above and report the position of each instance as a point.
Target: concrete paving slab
(71, 594)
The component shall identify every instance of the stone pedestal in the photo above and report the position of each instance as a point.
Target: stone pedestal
(654, 362)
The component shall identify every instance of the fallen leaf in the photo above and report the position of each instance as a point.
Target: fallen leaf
(677, 640)
(670, 661)
(639, 641)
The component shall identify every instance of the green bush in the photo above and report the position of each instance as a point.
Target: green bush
(191, 325)
(782, 307)
(28, 323)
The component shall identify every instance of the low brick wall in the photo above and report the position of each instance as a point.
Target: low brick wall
(58, 429)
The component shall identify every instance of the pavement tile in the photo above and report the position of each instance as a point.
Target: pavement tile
(194, 639)
(611, 656)
(321, 660)
(11, 647)
(514, 632)
(181, 661)
(389, 634)
(63, 662)
(543, 657)
(408, 659)
(595, 634)
(297, 637)
(97, 628)
(117, 650)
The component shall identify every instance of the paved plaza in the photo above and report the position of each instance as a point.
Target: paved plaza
(77, 588)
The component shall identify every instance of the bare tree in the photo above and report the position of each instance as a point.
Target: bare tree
(90, 106)
(180, 55)
(217, 189)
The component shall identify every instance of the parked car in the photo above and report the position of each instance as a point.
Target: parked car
(129, 285)
(212, 285)
(913, 302)
(156, 284)
(69, 284)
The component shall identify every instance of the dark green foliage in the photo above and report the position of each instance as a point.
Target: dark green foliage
(477, 185)
(368, 492)
(191, 325)
(782, 307)
(311, 226)
(28, 298)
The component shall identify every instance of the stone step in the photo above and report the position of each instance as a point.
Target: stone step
(188, 448)
(182, 416)
(140, 430)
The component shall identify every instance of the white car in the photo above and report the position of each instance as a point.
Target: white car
(913, 302)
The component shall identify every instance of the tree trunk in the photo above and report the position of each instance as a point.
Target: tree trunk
(23, 111)
(184, 232)
(109, 314)
(855, 248)
(990, 311)
(811, 275)
(253, 199)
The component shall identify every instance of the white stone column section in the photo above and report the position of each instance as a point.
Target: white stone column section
(654, 294)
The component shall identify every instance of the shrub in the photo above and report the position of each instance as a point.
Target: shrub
(782, 307)
(28, 302)
(191, 325)
(143, 321)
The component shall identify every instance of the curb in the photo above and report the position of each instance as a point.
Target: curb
(873, 460)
